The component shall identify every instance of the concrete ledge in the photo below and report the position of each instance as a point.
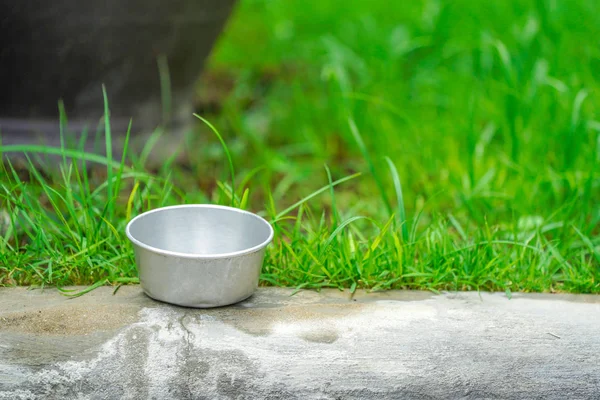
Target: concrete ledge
(408, 345)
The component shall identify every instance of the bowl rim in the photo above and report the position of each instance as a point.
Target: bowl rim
(200, 256)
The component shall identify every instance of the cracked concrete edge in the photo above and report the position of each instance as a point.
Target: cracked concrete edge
(311, 345)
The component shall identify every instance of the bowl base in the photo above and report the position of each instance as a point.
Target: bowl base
(198, 305)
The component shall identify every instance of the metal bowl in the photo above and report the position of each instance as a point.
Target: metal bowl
(199, 255)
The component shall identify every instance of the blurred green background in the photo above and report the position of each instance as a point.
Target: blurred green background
(474, 125)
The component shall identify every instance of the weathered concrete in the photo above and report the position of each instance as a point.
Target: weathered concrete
(408, 345)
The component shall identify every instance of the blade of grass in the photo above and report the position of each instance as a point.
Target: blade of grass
(75, 154)
(336, 216)
(398, 188)
(313, 194)
(123, 158)
(244, 201)
(342, 226)
(109, 147)
(365, 153)
(130, 200)
(226, 149)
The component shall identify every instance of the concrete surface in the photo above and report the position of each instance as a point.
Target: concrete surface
(396, 345)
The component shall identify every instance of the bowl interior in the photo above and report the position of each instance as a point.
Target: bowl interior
(200, 230)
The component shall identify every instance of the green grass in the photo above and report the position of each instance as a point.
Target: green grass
(438, 145)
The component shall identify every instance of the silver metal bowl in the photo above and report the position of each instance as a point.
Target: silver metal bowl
(199, 255)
